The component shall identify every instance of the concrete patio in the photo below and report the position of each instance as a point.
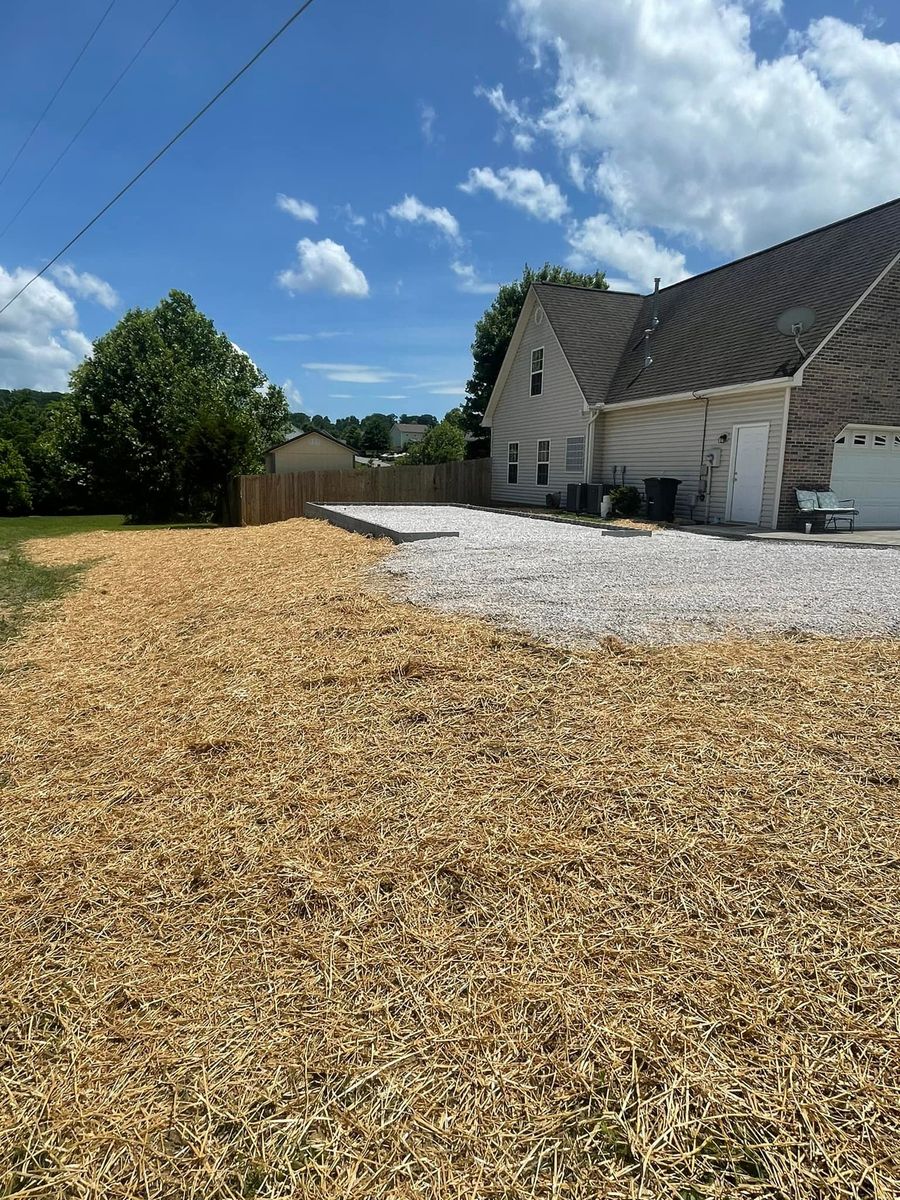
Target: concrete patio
(882, 538)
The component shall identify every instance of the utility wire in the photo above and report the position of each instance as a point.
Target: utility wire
(65, 80)
(155, 159)
(34, 191)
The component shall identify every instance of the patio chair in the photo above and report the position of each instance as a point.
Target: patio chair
(829, 506)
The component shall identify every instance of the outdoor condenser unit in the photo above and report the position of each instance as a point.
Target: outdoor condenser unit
(589, 497)
(573, 497)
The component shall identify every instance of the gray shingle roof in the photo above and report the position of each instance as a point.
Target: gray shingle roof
(593, 328)
(718, 328)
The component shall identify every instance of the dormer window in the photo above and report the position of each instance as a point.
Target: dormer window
(537, 371)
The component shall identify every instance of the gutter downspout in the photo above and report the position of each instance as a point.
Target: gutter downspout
(589, 441)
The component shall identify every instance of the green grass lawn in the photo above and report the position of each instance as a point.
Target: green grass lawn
(23, 583)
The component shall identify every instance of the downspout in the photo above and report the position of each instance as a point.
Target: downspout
(705, 467)
(589, 442)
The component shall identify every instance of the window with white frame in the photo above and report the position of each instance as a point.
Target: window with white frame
(879, 439)
(512, 463)
(897, 441)
(543, 463)
(860, 439)
(537, 371)
(575, 454)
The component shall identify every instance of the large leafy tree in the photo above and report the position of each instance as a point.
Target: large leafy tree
(15, 484)
(444, 442)
(493, 333)
(25, 419)
(375, 434)
(164, 411)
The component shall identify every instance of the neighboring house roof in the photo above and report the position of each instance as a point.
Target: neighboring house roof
(292, 437)
(718, 329)
(410, 427)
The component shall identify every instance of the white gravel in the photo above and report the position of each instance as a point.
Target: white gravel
(572, 585)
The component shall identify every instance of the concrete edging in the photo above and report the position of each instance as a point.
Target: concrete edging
(342, 520)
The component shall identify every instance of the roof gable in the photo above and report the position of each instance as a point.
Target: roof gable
(295, 437)
(593, 327)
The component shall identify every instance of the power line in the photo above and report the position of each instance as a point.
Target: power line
(65, 80)
(34, 191)
(155, 159)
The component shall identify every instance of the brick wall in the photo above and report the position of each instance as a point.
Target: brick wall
(856, 379)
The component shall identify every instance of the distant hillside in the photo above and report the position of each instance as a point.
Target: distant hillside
(13, 398)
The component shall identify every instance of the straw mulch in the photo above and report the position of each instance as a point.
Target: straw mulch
(308, 893)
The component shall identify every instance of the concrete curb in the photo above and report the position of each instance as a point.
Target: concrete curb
(342, 520)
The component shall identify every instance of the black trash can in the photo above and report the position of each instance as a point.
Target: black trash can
(660, 493)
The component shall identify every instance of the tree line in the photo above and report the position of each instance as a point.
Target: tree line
(166, 409)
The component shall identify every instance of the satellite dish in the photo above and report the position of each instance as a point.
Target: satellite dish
(795, 321)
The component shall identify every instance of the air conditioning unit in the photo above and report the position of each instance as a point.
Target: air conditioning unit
(589, 494)
(573, 497)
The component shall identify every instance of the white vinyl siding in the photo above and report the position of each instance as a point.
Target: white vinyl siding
(666, 439)
(555, 415)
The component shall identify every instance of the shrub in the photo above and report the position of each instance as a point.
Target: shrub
(626, 501)
(15, 484)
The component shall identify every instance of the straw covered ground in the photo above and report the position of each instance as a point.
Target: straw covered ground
(305, 892)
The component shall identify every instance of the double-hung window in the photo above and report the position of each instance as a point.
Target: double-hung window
(537, 371)
(543, 463)
(512, 463)
(575, 454)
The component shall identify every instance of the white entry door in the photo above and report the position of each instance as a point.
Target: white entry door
(748, 473)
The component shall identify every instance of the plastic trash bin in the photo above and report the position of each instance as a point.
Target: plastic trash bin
(660, 492)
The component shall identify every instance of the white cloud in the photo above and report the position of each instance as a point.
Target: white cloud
(427, 118)
(324, 267)
(292, 393)
(302, 210)
(520, 186)
(433, 383)
(310, 337)
(682, 128)
(411, 209)
(40, 341)
(401, 397)
(469, 281)
(452, 390)
(353, 372)
(522, 125)
(353, 219)
(90, 287)
(340, 396)
(599, 243)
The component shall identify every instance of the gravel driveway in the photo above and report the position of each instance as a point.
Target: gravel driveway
(570, 585)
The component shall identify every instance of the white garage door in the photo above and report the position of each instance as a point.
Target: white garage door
(866, 468)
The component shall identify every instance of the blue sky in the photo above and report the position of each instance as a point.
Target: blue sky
(437, 147)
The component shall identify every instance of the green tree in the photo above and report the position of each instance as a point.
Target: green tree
(349, 430)
(375, 434)
(218, 445)
(493, 333)
(136, 404)
(442, 443)
(456, 416)
(25, 418)
(15, 485)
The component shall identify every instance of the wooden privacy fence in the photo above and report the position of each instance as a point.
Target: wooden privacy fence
(261, 499)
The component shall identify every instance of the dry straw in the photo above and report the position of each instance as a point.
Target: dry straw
(307, 893)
